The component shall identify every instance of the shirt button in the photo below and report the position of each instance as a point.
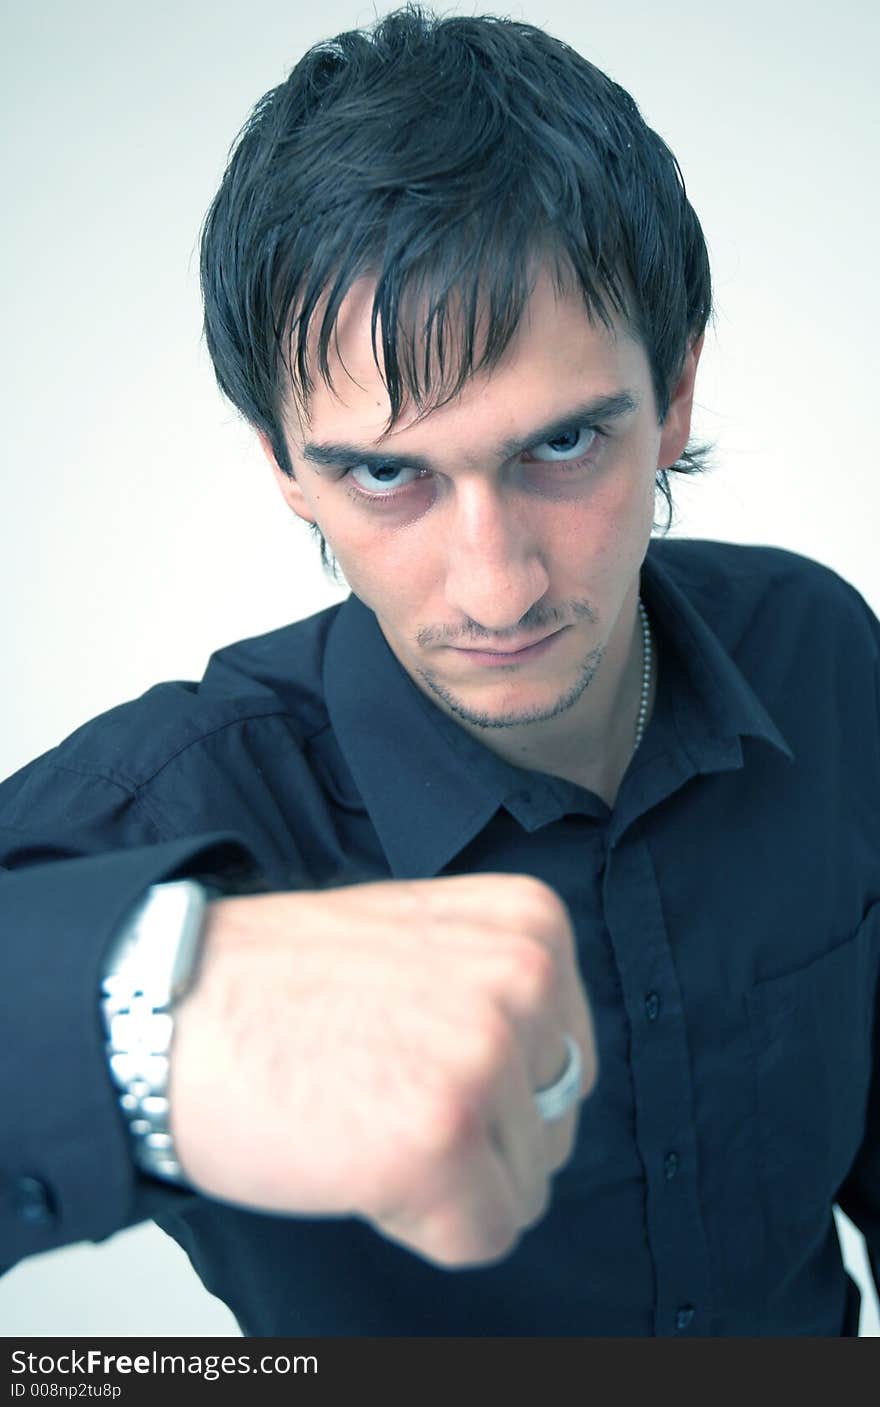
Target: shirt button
(32, 1201)
(684, 1316)
(670, 1166)
(652, 1006)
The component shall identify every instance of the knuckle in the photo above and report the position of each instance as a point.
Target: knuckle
(531, 892)
(533, 973)
(450, 1126)
(489, 1049)
(540, 906)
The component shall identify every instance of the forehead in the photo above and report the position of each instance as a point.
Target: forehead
(557, 357)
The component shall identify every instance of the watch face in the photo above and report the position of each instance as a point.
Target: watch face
(184, 917)
(156, 952)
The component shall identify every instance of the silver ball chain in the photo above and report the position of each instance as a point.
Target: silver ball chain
(646, 675)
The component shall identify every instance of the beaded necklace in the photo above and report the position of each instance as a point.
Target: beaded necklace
(646, 675)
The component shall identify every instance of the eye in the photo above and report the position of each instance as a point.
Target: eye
(572, 444)
(378, 478)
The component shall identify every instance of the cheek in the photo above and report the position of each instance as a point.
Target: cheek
(630, 502)
(609, 528)
(392, 572)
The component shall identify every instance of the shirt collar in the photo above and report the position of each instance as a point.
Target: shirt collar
(430, 788)
(713, 701)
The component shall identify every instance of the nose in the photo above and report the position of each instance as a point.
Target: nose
(495, 572)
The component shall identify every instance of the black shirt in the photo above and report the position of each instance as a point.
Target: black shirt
(727, 913)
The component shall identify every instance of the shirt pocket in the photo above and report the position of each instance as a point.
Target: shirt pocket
(812, 1035)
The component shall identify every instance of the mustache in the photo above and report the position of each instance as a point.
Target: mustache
(537, 618)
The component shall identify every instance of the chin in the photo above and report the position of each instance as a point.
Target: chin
(523, 707)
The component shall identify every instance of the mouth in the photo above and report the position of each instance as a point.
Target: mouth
(500, 659)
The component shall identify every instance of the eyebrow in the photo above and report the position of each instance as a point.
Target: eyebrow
(598, 410)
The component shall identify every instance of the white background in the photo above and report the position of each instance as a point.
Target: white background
(140, 526)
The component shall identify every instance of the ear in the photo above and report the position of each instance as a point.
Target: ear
(676, 427)
(290, 489)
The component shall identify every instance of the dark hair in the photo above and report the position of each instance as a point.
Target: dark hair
(444, 157)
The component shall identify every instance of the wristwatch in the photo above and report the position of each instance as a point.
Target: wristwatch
(150, 966)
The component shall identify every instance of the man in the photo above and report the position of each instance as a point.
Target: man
(545, 810)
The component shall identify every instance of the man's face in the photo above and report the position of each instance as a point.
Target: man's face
(499, 541)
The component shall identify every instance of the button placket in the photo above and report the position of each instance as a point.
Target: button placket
(660, 1064)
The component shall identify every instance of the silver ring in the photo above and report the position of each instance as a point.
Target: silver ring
(556, 1100)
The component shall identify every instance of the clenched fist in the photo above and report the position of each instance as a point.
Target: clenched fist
(374, 1051)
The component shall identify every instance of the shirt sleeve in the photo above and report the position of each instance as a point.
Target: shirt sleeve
(76, 852)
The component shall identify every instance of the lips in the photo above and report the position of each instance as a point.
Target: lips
(508, 658)
(513, 650)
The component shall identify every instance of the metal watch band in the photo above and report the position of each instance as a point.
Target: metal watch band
(150, 966)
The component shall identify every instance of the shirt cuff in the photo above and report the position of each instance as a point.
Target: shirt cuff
(65, 1159)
